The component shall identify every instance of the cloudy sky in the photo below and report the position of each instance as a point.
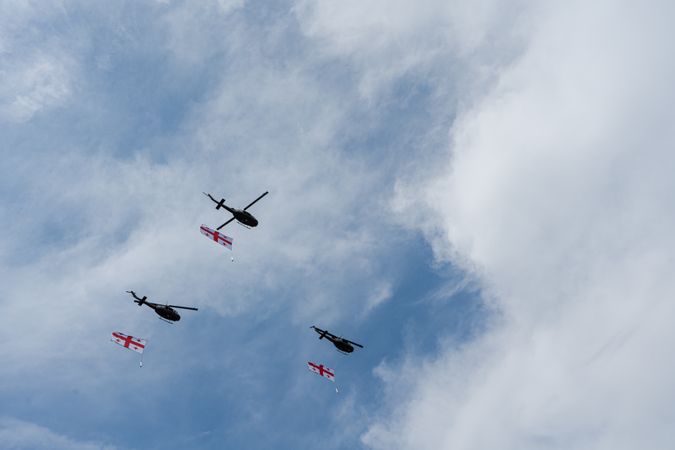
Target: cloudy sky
(479, 192)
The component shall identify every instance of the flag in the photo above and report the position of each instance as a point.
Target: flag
(216, 236)
(321, 370)
(130, 342)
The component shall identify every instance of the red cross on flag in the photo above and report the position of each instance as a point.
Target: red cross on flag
(216, 236)
(130, 342)
(321, 370)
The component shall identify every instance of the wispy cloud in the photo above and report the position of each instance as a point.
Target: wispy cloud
(18, 434)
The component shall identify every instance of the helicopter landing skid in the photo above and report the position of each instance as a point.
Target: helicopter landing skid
(164, 320)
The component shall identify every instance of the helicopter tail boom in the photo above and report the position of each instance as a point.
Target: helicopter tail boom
(140, 301)
(322, 333)
(219, 204)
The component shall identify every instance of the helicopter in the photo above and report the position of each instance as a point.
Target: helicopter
(244, 217)
(343, 345)
(166, 312)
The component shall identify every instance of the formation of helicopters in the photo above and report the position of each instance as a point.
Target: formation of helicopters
(169, 314)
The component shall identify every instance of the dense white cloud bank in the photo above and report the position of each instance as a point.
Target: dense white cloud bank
(558, 197)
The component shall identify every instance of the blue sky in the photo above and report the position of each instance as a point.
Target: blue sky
(143, 107)
(479, 192)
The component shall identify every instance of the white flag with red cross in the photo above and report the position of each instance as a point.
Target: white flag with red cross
(216, 236)
(321, 370)
(130, 342)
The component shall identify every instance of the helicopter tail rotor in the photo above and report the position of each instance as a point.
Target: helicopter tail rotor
(322, 333)
(219, 204)
(140, 301)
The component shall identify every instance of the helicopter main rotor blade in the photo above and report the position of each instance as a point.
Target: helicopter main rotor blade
(225, 223)
(253, 202)
(325, 334)
(183, 307)
(354, 343)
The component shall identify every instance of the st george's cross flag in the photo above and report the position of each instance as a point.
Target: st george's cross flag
(321, 370)
(130, 342)
(216, 236)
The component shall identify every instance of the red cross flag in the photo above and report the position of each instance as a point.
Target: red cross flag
(321, 370)
(216, 236)
(130, 342)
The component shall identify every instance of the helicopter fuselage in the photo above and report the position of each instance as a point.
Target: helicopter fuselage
(339, 343)
(342, 345)
(166, 312)
(244, 217)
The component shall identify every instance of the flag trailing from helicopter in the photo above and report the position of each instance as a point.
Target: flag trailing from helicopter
(321, 370)
(216, 236)
(130, 342)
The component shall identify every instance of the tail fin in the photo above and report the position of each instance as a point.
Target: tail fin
(141, 301)
(219, 204)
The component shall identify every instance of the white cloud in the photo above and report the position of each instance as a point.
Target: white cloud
(380, 294)
(558, 198)
(385, 40)
(197, 33)
(17, 434)
(37, 70)
(43, 81)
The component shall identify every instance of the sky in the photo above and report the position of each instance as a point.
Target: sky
(480, 193)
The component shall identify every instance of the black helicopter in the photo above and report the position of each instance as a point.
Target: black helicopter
(244, 217)
(342, 344)
(165, 311)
